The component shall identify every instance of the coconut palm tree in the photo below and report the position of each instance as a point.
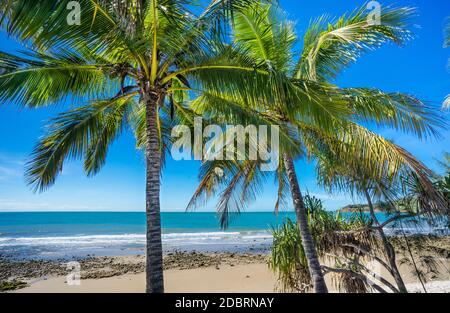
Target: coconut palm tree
(328, 48)
(131, 63)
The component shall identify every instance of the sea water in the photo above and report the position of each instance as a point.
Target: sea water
(79, 234)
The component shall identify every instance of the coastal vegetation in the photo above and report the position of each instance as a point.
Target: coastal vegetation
(354, 251)
(335, 139)
(12, 285)
(443, 182)
(145, 66)
(334, 238)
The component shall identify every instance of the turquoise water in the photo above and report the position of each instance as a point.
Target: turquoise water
(84, 223)
(68, 234)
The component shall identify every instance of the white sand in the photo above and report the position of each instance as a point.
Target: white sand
(431, 287)
(240, 278)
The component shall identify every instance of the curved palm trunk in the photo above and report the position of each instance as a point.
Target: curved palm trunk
(388, 248)
(302, 221)
(154, 265)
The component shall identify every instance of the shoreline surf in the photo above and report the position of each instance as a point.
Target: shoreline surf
(53, 235)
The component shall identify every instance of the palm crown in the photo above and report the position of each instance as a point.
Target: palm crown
(329, 130)
(337, 130)
(132, 63)
(120, 52)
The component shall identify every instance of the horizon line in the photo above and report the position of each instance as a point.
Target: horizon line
(118, 211)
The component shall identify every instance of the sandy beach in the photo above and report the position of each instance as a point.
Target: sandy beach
(240, 278)
(228, 279)
(184, 272)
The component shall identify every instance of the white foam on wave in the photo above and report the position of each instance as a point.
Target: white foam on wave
(179, 239)
(170, 240)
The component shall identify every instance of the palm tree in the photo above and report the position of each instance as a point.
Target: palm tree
(336, 238)
(328, 48)
(344, 178)
(131, 62)
(398, 190)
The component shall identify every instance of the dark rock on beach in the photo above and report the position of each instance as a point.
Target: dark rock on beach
(102, 267)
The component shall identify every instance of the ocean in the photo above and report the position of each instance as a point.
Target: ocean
(52, 235)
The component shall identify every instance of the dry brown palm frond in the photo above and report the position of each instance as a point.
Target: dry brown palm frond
(351, 284)
(337, 240)
(358, 158)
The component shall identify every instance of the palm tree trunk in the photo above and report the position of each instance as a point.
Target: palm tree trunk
(302, 221)
(408, 247)
(154, 265)
(388, 248)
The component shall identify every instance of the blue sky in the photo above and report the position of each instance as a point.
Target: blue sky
(419, 68)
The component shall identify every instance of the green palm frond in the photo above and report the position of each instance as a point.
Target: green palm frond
(236, 183)
(45, 25)
(262, 32)
(359, 147)
(111, 125)
(395, 110)
(218, 13)
(330, 46)
(267, 37)
(364, 160)
(230, 201)
(268, 90)
(444, 186)
(85, 132)
(37, 79)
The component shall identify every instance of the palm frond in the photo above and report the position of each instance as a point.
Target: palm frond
(363, 158)
(395, 110)
(446, 104)
(330, 46)
(36, 79)
(267, 37)
(85, 132)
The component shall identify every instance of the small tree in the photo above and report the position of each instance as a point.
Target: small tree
(338, 240)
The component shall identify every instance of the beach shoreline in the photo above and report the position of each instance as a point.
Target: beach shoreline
(186, 272)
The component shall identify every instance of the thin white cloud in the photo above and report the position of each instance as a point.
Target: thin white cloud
(7, 172)
(15, 205)
(15, 159)
(11, 205)
(327, 196)
(11, 166)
